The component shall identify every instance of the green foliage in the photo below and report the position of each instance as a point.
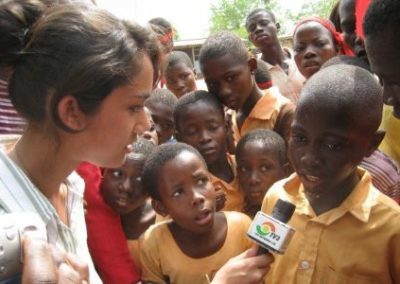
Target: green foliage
(231, 14)
(320, 8)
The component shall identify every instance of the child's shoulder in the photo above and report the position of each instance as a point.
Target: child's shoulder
(156, 231)
(234, 218)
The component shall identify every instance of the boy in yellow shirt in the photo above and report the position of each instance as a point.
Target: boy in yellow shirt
(346, 230)
(197, 241)
(199, 122)
(229, 75)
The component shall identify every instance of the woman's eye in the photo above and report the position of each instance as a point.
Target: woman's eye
(135, 109)
(264, 168)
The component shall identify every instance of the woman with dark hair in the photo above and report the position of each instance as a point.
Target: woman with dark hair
(80, 81)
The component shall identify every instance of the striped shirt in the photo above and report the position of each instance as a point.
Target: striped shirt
(18, 193)
(385, 174)
(10, 121)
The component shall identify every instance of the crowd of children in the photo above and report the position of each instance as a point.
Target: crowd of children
(174, 172)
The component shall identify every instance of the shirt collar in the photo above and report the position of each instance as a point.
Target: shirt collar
(262, 109)
(359, 203)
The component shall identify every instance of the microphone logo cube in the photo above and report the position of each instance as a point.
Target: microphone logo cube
(270, 233)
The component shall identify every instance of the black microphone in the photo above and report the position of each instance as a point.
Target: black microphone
(272, 233)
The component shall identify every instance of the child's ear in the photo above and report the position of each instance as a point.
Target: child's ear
(278, 26)
(159, 207)
(375, 141)
(71, 114)
(252, 65)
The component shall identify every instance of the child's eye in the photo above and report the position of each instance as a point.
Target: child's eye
(264, 22)
(298, 48)
(185, 75)
(230, 78)
(177, 193)
(265, 168)
(252, 27)
(117, 173)
(333, 147)
(298, 138)
(213, 126)
(137, 180)
(202, 181)
(242, 169)
(321, 43)
(190, 131)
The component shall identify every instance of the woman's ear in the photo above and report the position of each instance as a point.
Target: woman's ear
(278, 26)
(71, 114)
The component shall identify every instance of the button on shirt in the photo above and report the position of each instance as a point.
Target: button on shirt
(357, 242)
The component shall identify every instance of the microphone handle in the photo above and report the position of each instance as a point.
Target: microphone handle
(261, 250)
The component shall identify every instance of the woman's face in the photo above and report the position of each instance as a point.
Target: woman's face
(313, 46)
(118, 121)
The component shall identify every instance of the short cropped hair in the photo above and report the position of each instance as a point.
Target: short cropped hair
(163, 96)
(194, 97)
(176, 57)
(381, 16)
(258, 10)
(156, 161)
(269, 138)
(347, 60)
(350, 90)
(222, 43)
(142, 147)
(161, 22)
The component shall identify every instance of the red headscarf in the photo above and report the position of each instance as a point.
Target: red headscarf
(361, 8)
(337, 37)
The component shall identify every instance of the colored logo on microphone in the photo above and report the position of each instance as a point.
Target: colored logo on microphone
(265, 228)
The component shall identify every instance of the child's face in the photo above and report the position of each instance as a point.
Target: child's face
(180, 79)
(262, 29)
(202, 126)
(325, 148)
(313, 46)
(348, 26)
(151, 133)
(163, 120)
(121, 187)
(258, 169)
(186, 193)
(229, 79)
(384, 59)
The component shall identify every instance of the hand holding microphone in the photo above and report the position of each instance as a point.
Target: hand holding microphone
(272, 233)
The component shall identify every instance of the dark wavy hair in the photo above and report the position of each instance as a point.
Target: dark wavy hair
(81, 51)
